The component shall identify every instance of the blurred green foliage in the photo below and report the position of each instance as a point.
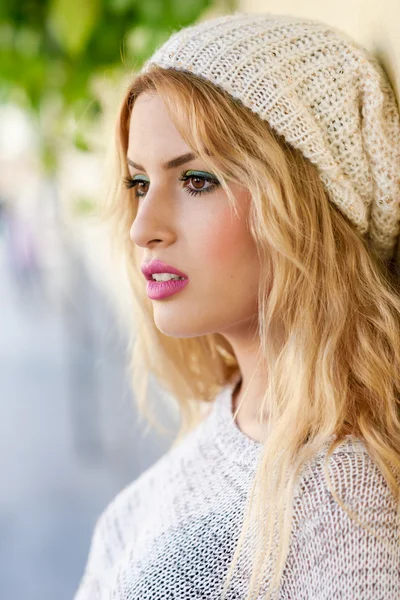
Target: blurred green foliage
(50, 50)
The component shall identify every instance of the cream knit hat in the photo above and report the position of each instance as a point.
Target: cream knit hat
(323, 93)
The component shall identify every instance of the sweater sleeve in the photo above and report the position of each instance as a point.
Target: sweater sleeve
(332, 557)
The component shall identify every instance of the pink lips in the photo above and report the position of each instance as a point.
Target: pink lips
(157, 290)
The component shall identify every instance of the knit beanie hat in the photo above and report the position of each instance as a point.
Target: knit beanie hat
(326, 95)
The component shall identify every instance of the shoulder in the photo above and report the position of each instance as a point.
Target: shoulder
(333, 554)
(125, 518)
(118, 522)
(354, 476)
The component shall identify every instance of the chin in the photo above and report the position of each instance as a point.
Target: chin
(179, 325)
(180, 331)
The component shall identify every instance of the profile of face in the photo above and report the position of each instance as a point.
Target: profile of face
(184, 219)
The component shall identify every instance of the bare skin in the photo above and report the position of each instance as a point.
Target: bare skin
(198, 235)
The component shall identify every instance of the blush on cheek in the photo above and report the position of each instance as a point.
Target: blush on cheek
(225, 238)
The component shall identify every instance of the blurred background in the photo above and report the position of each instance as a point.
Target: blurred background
(70, 439)
(69, 435)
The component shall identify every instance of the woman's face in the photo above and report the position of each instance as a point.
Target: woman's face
(196, 234)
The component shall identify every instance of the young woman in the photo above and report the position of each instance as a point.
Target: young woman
(257, 192)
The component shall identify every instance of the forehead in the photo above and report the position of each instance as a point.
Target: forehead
(150, 122)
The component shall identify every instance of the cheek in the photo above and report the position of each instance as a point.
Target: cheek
(227, 240)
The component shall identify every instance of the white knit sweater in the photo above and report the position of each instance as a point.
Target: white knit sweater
(171, 533)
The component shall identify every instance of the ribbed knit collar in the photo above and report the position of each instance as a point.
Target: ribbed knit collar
(236, 447)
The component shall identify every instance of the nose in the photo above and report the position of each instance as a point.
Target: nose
(153, 221)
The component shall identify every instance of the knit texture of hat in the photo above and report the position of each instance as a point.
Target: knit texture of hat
(326, 95)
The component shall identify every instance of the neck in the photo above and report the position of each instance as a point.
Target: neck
(245, 406)
(247, 394)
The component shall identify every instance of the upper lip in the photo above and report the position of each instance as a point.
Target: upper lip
(157, 266)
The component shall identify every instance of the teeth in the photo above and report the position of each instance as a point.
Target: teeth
(165, 276)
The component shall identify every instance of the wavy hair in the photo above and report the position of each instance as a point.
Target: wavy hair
(329, 309)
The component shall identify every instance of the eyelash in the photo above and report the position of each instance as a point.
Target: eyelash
(131, 183)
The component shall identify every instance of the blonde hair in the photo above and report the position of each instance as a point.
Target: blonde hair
(329, 309)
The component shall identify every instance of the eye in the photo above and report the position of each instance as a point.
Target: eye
(130, 183)
(198, 178)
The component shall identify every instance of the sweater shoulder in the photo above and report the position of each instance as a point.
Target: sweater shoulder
(353, 474)
(334, 554)
(119, 520)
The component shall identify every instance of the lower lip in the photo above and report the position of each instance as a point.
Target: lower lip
(157, 290)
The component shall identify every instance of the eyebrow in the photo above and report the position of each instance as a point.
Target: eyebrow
(171, 164)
